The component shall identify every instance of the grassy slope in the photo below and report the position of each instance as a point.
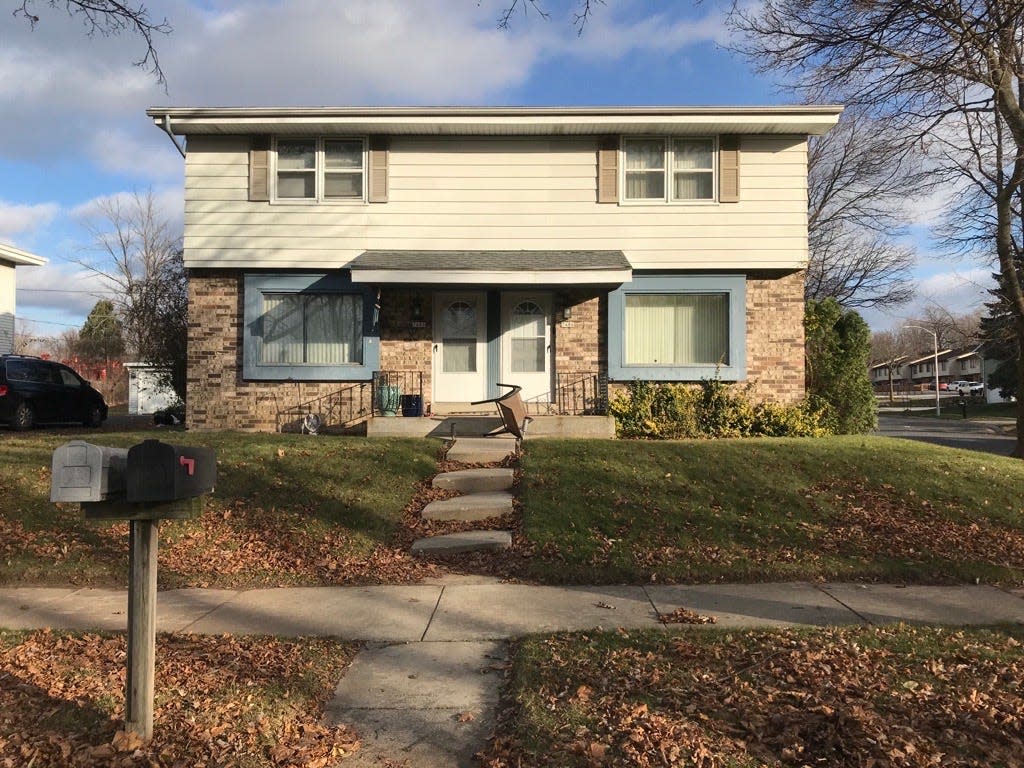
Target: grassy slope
(900, 696)
(752, 510)
(277, 496)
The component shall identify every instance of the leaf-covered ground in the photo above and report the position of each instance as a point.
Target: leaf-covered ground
(891, 696)
(287, 510)
(867, 508)
(225, 701)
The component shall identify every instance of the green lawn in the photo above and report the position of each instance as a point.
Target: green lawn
(771, 509)
(893, 696)
(288, 509)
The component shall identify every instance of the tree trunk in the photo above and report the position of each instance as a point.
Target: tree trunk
(1018, 448)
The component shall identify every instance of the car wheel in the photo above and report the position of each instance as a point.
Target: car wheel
(24, 417)
(93, 416)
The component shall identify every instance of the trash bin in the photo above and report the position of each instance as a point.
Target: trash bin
(388, 399)
(412, 405)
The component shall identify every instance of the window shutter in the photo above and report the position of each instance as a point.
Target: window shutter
(729, 169)
(378, 170)
(608, 170)
(259, 169)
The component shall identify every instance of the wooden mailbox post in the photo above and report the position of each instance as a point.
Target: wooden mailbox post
(150, 482)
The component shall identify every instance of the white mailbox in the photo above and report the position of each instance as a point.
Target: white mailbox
(86, 472)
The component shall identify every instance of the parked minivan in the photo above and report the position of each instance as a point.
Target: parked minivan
(36, 391)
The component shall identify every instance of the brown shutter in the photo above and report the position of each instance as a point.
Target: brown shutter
(378, 192)
(729, 169)
(259, 169)
(608, 170)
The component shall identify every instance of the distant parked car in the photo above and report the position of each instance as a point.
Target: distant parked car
(966, 388)
(36, 391)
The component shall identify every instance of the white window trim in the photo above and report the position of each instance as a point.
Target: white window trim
(667, 140)
(320, 166)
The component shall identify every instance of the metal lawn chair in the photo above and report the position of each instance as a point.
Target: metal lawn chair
(512, 411)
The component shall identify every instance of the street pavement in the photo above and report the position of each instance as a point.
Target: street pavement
(989, 436)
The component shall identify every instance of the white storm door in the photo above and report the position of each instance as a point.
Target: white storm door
(460, 347)
(526, 343)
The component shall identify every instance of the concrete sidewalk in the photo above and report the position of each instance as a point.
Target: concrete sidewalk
(463, 610)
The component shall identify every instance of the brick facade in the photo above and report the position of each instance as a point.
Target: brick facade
(219, 398)
(775, 336)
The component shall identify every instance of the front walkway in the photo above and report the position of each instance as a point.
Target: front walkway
(465, 608)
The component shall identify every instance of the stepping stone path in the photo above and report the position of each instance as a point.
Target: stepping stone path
(485, 493)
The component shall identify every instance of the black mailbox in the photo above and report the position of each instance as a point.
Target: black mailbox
(159, 471)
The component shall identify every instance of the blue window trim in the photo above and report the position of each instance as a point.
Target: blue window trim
(733, 285)
(256, 284)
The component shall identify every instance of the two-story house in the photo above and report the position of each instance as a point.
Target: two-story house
(471, 246)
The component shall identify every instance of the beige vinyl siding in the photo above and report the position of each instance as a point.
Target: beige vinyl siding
(515, 193)
(6, 308)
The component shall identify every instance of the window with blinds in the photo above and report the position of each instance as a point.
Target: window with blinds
(676, 329)
(311, 329)
(676, 170)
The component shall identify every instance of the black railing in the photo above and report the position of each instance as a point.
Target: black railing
(575, 394)
(343, 408)
(400, 392)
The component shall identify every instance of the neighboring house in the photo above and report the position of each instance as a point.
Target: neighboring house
(895, 368)
(455, 248)
(11, 257)
(149, 389)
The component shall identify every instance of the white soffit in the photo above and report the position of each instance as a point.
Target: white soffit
(475, 277)
(19, 257)
(501, 121)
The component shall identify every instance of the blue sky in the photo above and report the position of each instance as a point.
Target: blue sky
(74, 129)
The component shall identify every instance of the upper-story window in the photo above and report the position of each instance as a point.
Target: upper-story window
(320, 169)
(671, 170)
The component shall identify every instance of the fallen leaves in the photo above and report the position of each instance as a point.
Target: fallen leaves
(899, 697)
(683, 615)
(219, 701)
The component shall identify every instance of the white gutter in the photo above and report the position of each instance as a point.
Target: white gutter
(166, 126)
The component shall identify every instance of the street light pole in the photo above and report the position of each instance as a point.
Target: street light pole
(935, 340)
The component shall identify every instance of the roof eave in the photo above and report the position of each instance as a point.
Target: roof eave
(807, 120)
(19, 257)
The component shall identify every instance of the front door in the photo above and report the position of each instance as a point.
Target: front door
(526, 343)
(460, 347)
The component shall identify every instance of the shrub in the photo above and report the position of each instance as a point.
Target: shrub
(712, 409)
(838, 348)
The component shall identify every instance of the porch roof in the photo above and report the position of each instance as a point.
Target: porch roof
(492, 267)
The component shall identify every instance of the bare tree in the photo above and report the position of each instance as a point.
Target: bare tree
(926, 66)
(140, 262)
(584, 9)
(106, 18)
(25, 339)
(892, 349)
(861, 176)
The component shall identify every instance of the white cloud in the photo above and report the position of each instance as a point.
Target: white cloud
(16, 219)
(65, 93)
(67, 288)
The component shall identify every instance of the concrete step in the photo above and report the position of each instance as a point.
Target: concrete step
(457, 543)
(481, 450)
(476, 506)
(483, 480)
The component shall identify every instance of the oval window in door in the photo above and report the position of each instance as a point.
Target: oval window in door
(529, 340)
(459, 338)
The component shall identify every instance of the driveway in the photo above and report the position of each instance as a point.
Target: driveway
(987, 437)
